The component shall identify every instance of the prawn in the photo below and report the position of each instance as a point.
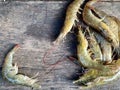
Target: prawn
(111, 21)
(83, 53)
(94, 77)
(71, 17)
(98, 23)
(10, 72)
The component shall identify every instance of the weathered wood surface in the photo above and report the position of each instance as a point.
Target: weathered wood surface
(34, 25)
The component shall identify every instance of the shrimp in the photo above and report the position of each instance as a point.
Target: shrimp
(84, 55)
(92, 74)
(98, 23)
(10, 72)
(111, 21)
(95, 77)
(71, 16)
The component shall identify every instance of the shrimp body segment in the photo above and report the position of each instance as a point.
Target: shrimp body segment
(10, 72)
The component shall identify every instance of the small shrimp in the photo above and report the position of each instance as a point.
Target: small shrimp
(10, 72)
(71, 16)
(111, 21)
(92, 74)
(95, 77)
(98, 23)
(84, 55)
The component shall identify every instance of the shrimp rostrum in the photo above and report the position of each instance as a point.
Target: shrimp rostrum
(10, 72)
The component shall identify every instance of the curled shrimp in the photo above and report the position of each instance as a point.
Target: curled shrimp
(10, 72)
(98, 23)
(71, 16)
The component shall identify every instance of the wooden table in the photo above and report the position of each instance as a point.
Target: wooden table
(34, 25)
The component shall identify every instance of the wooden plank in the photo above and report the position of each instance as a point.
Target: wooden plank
(34, 25)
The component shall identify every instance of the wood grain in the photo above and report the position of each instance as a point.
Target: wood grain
(34, 25)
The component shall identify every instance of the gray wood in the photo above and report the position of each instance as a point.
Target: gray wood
(34, 25)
